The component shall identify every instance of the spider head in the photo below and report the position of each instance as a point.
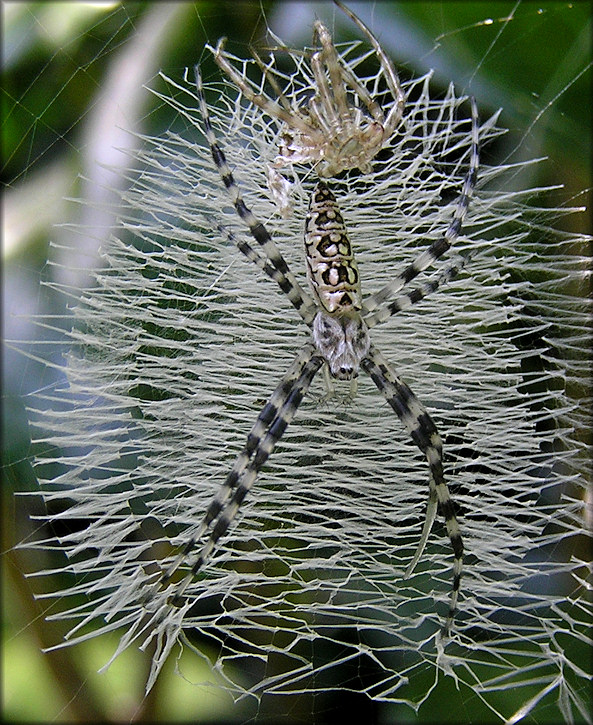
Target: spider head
(342, 341)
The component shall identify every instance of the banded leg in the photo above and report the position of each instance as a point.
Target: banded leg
(442, 245)
(293, 290)
(424, 433)
(308, 309)
(267, 431)
(407, 299)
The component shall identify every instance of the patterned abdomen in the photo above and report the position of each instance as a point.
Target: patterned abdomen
(331, 268)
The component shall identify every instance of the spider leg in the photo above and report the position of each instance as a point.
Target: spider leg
(267, 431)
(440, 246)
(297, 296)
(409, 298)
(269, 77)
(333, 99)
(300, 300)
(258, 99)
(414, 417)
(274, 404)
(323, 111)
(391, 77)
(372, 106)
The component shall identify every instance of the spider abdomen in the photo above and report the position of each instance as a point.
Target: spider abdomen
(331, 268)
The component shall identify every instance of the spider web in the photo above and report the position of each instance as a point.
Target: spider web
(177, 344)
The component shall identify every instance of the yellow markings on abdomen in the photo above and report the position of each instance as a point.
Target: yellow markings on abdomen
(331, 268)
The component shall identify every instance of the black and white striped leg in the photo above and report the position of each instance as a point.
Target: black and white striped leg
(298, 297)
(267, 431)
(415, 418)
(307, 309)
(442, 245)
(409, 298)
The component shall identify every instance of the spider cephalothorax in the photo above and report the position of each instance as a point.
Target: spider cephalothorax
(343, 341)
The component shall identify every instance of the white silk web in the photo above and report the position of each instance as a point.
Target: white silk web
(178, 343)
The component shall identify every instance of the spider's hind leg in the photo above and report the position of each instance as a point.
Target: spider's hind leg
(288, 283)
(440, 246)
(424, 433)
(414, 295)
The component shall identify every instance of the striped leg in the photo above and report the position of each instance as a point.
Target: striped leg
(293, 290)
(267, 431)
(307, 309)
(440, 246)
(424, 433)
(407, 299)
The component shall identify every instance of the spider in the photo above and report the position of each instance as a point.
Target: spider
(339, 322)
(334, 132)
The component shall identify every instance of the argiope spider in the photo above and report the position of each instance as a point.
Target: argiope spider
(340, 324)
(341, 126)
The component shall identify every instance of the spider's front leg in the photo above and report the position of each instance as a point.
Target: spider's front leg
(265, 103)
(267, 431)
(424, 433)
